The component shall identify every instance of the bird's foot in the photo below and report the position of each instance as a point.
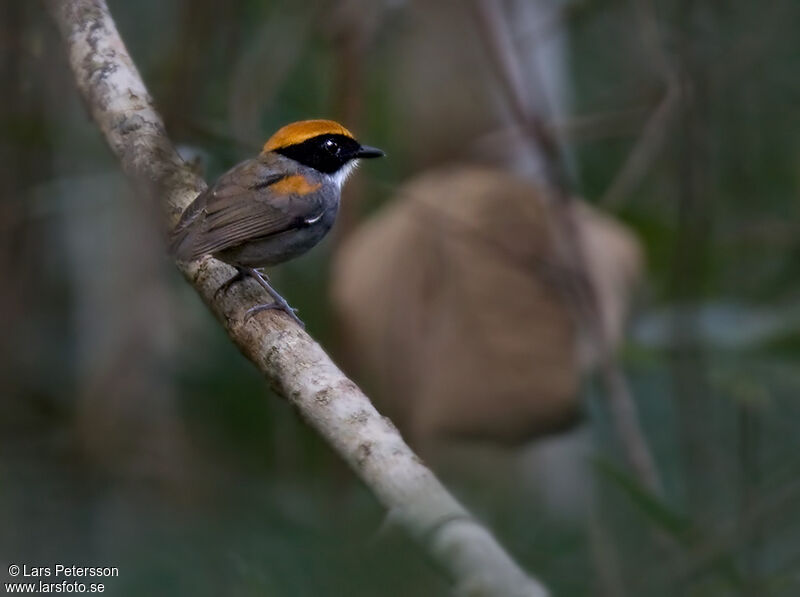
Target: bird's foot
(281, 305)
(278, 301)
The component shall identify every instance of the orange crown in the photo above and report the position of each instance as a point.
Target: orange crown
(303, 130)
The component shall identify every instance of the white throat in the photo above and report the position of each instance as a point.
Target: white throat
(340, 176)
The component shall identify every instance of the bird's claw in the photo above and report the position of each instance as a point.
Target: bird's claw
(291, 312)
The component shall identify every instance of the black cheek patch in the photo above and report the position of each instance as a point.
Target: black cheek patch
(313, 152)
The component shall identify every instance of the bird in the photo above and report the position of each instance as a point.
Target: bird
(273, 207)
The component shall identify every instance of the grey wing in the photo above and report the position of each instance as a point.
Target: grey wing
(231, 213)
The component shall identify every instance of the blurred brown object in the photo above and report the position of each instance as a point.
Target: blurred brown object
(452, 313)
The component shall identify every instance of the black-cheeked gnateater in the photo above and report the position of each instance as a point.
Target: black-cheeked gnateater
(274, 207)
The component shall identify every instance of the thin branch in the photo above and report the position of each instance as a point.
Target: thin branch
(295, 365)
(580, 290)
(653, 135)
(646, 149)
(496, 35)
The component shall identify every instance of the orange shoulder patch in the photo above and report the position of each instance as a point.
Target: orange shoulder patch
(296, 184)
(297, 132)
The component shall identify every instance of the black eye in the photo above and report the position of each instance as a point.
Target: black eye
(331, 146)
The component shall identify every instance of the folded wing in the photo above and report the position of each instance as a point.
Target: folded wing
(242, 206)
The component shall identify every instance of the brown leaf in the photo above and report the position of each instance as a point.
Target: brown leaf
(450, 303)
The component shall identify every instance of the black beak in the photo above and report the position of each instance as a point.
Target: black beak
(365, 151)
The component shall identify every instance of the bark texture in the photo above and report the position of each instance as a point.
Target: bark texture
(294, 364)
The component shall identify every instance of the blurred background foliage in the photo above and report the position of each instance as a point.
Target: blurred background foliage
(133, 433)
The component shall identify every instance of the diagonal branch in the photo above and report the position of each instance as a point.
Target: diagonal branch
(295, 365)
(579, 289)
(656, 131)
(645, 150)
